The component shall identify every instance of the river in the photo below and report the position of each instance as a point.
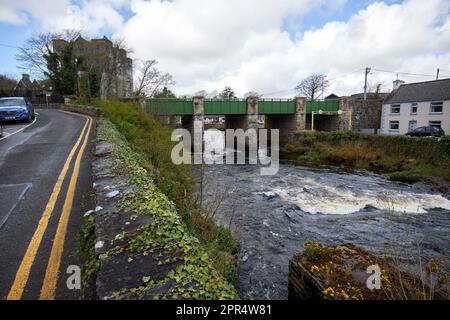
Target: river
(273, 216)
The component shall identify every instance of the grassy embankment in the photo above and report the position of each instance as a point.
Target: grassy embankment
(403, 158)
(152, 142)
(91, 263)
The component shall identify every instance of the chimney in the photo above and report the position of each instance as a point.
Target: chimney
(25, 77)
(397, 84)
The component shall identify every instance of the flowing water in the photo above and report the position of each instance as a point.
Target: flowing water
(273, 216)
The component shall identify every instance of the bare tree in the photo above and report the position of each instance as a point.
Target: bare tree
(32, 54)
(151, 79)
(375, 88)
(201, 93)
(313, 86)
(252, 94)
(213, 95)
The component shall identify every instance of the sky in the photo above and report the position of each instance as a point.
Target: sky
(267, 46)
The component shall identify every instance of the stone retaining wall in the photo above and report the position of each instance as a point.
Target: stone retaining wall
(302, 285)
(178, 269)
(87, 110)
(123, 271)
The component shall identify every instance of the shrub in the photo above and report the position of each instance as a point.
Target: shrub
(152, 140)
(387, 154)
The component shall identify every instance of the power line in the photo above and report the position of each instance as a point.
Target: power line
(366, 72)
(277, 92)
(405, 73)
(8, 46)
(334, 78)
(346, 74)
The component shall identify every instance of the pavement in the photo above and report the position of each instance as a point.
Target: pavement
(45, 187)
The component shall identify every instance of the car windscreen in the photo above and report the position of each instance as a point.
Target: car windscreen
(11, 102)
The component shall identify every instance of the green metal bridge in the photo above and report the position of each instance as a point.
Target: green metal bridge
(212, 107)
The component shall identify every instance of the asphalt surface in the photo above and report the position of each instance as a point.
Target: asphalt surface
(30, 162)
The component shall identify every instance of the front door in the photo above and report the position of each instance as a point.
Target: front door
(412, 125)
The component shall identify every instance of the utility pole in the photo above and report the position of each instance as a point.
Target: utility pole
(323, 83)
(365, 83)
(437, 74)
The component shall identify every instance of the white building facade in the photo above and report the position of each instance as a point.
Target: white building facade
(417, 105)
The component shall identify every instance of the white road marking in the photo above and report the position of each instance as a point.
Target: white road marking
(20, 130)
(26, 187)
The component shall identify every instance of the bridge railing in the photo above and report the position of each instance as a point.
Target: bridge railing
(225, 106)
(167, 107)
(325, 106)
(276, 106)
(235, 106)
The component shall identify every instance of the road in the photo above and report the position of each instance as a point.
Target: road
(45, 187)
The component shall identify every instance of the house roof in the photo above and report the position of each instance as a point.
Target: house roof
(438, 90)
(332, 97)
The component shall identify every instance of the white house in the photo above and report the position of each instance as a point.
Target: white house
(417, 105)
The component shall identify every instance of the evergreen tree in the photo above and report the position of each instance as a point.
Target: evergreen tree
(228, 93)
(164, 93)
(62, 70)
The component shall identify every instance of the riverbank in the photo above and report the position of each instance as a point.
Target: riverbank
(151, 143)
(272, 217)
(402, 158)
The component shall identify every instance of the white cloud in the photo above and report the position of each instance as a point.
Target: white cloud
(210, 44)
(91, 16)
(207, 44)
(18, 12)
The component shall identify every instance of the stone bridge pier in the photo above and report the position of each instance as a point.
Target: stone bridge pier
(245, 122)
(195, 123)
(288, 124)
(288, 117)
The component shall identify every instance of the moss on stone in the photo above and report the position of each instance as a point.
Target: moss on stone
(165, 232)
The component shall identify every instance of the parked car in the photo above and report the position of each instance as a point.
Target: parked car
(16, 109)
(426, 132)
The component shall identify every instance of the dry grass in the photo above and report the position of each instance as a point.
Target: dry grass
(405, 158)
(334, 266)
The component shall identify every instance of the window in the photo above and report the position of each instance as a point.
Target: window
(436, 107)
(414, 108)
(395, 109)
(10, 102)
(421, 129)
(394, 125)
(436, 124)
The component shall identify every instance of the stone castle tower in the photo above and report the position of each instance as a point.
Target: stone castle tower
(110, 62)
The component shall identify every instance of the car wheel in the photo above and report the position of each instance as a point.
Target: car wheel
(30, 118)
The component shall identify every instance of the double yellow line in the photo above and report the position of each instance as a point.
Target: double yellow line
(52, 271)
